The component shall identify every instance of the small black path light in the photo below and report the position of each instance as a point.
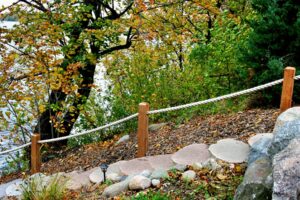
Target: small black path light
(104, 167)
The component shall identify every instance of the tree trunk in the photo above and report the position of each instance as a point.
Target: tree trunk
(45, 127)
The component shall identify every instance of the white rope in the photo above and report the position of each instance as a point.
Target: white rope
(90, 131)
(15, 149)
(261, 87)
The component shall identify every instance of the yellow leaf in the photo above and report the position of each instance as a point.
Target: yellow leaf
(42, 108)
(221, 176)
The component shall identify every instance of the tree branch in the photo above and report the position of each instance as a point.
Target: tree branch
(7, 7)
(119, 47)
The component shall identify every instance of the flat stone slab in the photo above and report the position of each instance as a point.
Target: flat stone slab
(195, 153)
(258, 137)
(161, 161)
(135, 166)
(5, 185)
(230, 150)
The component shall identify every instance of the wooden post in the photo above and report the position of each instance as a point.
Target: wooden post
(287, 88)
(35, 154)
(142, 134)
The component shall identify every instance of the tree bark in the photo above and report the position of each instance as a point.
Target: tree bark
(45, 126)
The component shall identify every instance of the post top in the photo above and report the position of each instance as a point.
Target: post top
(143, 104)
(289, 68)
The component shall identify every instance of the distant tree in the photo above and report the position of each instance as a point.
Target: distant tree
(48, 61)
(274, 42)
(51, 57)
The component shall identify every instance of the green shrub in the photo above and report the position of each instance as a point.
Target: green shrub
(35, 189)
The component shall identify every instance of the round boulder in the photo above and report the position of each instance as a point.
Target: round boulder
(189, 175)
(230, 150)
(139, 182)
(289, 115)
(96, 176)
(258, 137)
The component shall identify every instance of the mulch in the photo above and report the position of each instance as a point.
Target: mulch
(169, 139)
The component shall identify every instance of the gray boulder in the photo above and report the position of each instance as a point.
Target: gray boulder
(259, 149)
(159, 173)
(114, 177)
(256, 183)
(286, 172)
(189, 175)
(283, 134)
(117, 188)
(14, 189)
(179, 167)
(3, 187)
(258, 137)
(211, 164)
(155, 182)
(124, 138)
(139, 182)
(289, 115)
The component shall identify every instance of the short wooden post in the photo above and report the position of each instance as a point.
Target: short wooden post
(35, 154)
(142, 134)
(287, 88)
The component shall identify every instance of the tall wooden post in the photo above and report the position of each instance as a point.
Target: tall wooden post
(142, 134)
(35, 154)
(287, 88)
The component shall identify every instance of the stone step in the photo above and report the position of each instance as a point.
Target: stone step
(230, 150)
(164, 162)
(135, 166)
(195, 153)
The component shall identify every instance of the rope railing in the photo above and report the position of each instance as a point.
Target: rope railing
(144, 112)
(227, 96)
(74, 135)
(15, 149)
(90, 131)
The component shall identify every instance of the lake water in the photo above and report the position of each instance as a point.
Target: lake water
(99, 79)
(4, 142)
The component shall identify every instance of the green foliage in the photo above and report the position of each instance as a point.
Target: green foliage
(17, 162)
(98, 111)
(35, 189)
(151, 72)
(218, 57)
(273, 43)
(151, 196)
